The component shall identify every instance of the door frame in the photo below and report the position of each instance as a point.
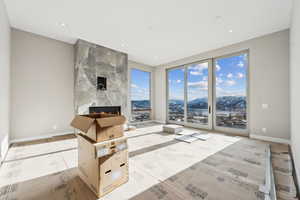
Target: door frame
(227, 129)
(209, 125)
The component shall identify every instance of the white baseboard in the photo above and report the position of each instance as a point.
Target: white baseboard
(270, 139)
(42, 136)
(159, 121)
(145, 122)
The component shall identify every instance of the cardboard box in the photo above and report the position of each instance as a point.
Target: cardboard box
(107, 147)
(285, 186)
(104, 174)
(100, 127)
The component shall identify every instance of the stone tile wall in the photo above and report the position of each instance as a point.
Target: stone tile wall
(92, 61)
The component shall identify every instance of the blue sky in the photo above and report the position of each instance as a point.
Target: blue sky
(230, 79)
(231, 76)
(140, 85)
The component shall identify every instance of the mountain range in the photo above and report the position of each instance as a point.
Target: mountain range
(140, 104)
(223, 103)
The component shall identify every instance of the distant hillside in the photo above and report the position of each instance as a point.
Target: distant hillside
(223, 103)
(200, 103)
(231, 102)
(175, 101)
(140, 104)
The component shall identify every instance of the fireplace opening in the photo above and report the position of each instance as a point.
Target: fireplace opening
(105, 109)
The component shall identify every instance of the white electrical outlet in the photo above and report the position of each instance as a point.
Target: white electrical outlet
(265, 106)
(264, 130)
(54, 127)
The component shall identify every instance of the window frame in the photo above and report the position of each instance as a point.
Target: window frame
(228, 129)
(150, 71)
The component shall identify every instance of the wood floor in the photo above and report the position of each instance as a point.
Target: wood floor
(160, 168)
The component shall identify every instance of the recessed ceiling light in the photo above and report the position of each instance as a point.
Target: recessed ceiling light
(62, 24)
(218, 17)
(230, 31)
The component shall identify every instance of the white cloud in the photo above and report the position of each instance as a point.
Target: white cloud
(218, 68)
(142, 90)
(240, 75)
(199, 83)
(219, 81)
(241, 64)
(198, 68)
(230, 75)
(202, 85)
(134, 86)
(204, 78)
(222, 92)
(178, 81)
(245, 57)
(139, 95)
(230, 82)
(194, 93)
(195, 73)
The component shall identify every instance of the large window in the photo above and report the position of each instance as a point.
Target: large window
(176, 94)
(197, 93)
(140, 95)
(210, 94)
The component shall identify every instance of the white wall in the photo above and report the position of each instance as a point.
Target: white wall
(160, 94)
(295, 84)
(268, 83)
(4, 80)
(42, 86)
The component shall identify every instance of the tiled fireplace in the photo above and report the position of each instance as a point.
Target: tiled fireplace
(101, 79)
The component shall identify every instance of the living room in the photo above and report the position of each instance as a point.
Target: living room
(205, 92)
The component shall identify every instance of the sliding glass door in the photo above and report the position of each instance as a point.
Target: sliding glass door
(189, 94)
(198, 95)
(210, 94)
(230, 102)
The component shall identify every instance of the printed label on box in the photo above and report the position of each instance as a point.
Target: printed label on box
(115, 175)
(122, 146)
(102, 152)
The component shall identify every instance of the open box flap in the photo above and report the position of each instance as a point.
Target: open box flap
(82, 123)
(111, 121)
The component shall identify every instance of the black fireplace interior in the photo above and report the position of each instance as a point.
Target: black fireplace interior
(105, 109)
